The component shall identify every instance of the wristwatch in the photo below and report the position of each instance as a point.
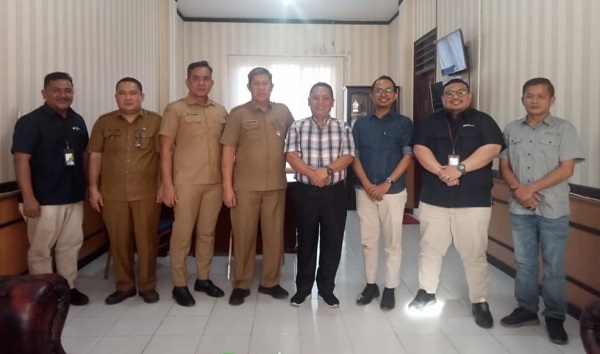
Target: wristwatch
(329, 170)
(389, 180)
(461, 168)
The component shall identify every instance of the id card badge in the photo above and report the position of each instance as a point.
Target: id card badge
(69, 157)
(453, 160)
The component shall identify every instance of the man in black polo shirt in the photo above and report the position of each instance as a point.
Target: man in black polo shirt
(49, 155)
(456, 147)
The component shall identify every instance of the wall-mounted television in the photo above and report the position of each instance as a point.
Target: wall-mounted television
(451, 53)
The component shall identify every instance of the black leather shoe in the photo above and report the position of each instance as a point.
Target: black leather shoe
(482, 314)
(556, 331)
(182, 296)
(119, 296)
(422, 300)
(388, 300)
(149, 296)
(276, 291)
(77, 298)
(208, 287)
(237, 296)
(369, 292)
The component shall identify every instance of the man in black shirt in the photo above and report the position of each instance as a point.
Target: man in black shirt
(49, 147)
(456, 147)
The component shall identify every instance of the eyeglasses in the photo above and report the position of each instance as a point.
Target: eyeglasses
(460, 93)
(387, 91)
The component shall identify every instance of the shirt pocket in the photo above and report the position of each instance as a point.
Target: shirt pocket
(548, 144)
(216, 124)
(113, 139)
(147, 139)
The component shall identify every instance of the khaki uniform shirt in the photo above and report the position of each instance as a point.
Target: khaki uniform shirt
(130, 160)
(259, 140)
(196, 130)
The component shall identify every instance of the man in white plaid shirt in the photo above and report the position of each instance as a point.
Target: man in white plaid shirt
(319, 149)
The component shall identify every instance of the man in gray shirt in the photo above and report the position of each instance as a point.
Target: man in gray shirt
(541, 154)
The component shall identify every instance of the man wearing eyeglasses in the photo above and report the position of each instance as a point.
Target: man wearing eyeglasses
(123, 184)
(384, 152)
(456, 146)
(50, 160)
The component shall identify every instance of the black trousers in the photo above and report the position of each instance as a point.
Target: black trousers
(319, 211)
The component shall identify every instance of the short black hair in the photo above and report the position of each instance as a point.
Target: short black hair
(457, 81)
(130, 79)
(384, 77)
(199, 64)
(57, 75)
(259, 71)
(539, 81)
(321, 84)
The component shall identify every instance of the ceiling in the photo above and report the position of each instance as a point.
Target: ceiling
(317, 11)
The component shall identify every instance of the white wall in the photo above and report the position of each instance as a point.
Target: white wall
(96, 41)
(364, 47)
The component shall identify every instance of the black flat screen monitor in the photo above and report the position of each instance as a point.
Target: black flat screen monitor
(451, 53)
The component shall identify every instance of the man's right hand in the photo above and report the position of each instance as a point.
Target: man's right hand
(31, 208)
(229, 198)
(169, 195)
(95, 199)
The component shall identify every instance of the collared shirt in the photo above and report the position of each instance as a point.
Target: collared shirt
(130, 160)
(45, 135)
(535, 151)
(259, 138)
(319, 147)
(196, 131)
(476, 130)
(380, 145)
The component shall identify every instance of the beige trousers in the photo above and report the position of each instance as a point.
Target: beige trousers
(252, 207)
(58, 228)
(198, 207)
(467, 228)
(376, 217)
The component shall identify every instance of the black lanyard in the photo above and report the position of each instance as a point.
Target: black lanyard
(453, 141)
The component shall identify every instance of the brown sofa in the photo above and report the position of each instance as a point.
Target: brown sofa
(33, 310)
(589, 326)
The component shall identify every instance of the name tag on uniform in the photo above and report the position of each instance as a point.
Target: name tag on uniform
(453, 160)
(191, 113)
(251, 122)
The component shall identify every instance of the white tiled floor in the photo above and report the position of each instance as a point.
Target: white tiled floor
(263, 325)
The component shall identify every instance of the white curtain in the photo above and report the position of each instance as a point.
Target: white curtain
(293, 76)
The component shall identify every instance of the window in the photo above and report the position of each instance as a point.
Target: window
(292, 78)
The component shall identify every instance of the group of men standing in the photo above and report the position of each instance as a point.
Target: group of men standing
(198, 157)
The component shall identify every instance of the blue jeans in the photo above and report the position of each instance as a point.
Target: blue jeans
(531, 233)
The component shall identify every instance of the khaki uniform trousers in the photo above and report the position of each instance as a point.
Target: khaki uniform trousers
(133, 224)
(198, 206)
(467, 228)
(376, 216)
(58, 228)
(269, 208)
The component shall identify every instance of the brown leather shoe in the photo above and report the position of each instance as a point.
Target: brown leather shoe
(149, 296)
(119, 296)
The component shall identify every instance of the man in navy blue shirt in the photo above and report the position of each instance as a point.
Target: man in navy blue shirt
(456, 146)
(384, 152)
(49, 147)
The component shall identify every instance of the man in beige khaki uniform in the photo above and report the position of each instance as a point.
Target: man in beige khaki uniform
(191, 179)
(254, 185)
(123, 185)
